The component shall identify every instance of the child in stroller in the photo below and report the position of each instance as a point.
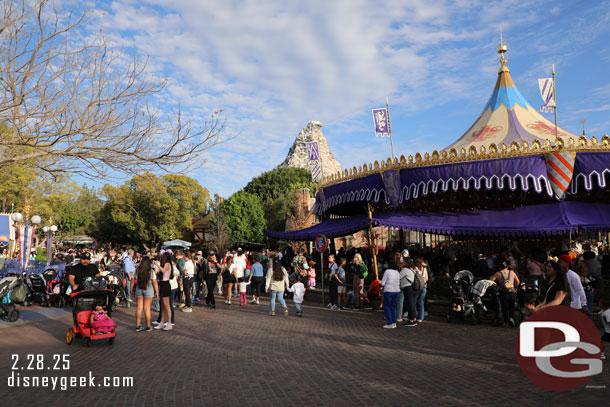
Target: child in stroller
(100, 321)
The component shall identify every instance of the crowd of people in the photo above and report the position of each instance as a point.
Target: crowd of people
(400, 288)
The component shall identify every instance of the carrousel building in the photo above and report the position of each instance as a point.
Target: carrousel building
(512, 173)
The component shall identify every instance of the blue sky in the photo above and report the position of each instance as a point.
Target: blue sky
(273, 66)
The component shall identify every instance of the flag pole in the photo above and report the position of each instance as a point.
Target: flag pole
(387, 106)
(555, 110)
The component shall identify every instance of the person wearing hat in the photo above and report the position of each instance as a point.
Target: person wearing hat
(82, 271)
(578, 298)
(212, 277)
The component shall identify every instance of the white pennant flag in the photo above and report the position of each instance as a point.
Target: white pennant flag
(547, 91)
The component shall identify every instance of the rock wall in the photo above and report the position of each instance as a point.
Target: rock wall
(297, 155)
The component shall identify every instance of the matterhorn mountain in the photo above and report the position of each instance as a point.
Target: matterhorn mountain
(297, 155)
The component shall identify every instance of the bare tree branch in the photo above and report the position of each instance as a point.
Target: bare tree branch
(75, 105)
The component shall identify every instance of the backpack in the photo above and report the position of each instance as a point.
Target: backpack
(19, 293)
(418, 282)
(362, 271)
(94, 283)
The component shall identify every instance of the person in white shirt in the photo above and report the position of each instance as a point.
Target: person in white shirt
(298, 290)
(578, 299)
(391, 287)
(240, 265)
(187, 281)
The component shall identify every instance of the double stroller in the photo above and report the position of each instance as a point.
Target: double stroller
(46, 289)
(83, 304)
(462, 306)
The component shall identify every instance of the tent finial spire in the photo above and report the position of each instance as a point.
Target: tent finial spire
(502, 48)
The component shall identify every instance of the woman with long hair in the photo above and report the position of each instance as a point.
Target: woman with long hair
(146, 288)
(165, 291)
(277, 281)
(508, 281)
(360, 273)
(391, 289)
(228, 279)
(556, 289)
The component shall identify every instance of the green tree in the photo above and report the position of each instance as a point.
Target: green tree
(280, 181)
(148, 209)
(193, 199)
(244, 216)
(16, 185)
(220, 238)
(276, 191)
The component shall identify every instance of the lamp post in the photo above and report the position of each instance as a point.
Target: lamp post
(24, 247)
(49, 230)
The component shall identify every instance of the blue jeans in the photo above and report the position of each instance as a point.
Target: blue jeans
(400, 305)
(280, 297)
(390, 301)
(421, 298)
(298, 306)
(128, 286)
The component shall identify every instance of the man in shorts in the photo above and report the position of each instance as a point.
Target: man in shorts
(339, 276)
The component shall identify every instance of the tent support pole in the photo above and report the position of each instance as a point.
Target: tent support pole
(372, 243)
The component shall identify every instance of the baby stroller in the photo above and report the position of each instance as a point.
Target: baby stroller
(528, 294)
(7, 308)
(486, 299)
(461, 304)
(20, 292)
(54, 295)
(83, 304)
(116, 282)
(38, 289)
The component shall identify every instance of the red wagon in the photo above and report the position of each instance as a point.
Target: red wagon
(83, 304)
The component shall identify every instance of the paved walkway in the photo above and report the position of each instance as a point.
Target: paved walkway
(242, 356)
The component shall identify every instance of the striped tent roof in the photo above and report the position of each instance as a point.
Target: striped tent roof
(508, 117)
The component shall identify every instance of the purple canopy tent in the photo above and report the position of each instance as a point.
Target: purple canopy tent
(500, 177)
(549, 218)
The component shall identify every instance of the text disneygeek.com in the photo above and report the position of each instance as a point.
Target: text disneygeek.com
(23, 374)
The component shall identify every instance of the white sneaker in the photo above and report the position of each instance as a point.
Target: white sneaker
(603, 357)
(160, 326)
(389, 326)
(257, 302)
(168, 327)
(187, 309)
(329, 305)
(155, 322)
(335, 307)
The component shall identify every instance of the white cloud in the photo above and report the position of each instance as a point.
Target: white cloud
(274, 66)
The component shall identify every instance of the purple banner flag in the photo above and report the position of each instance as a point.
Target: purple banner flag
(315, 164)
(380, 117)
(312, 151)
(547, 92)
